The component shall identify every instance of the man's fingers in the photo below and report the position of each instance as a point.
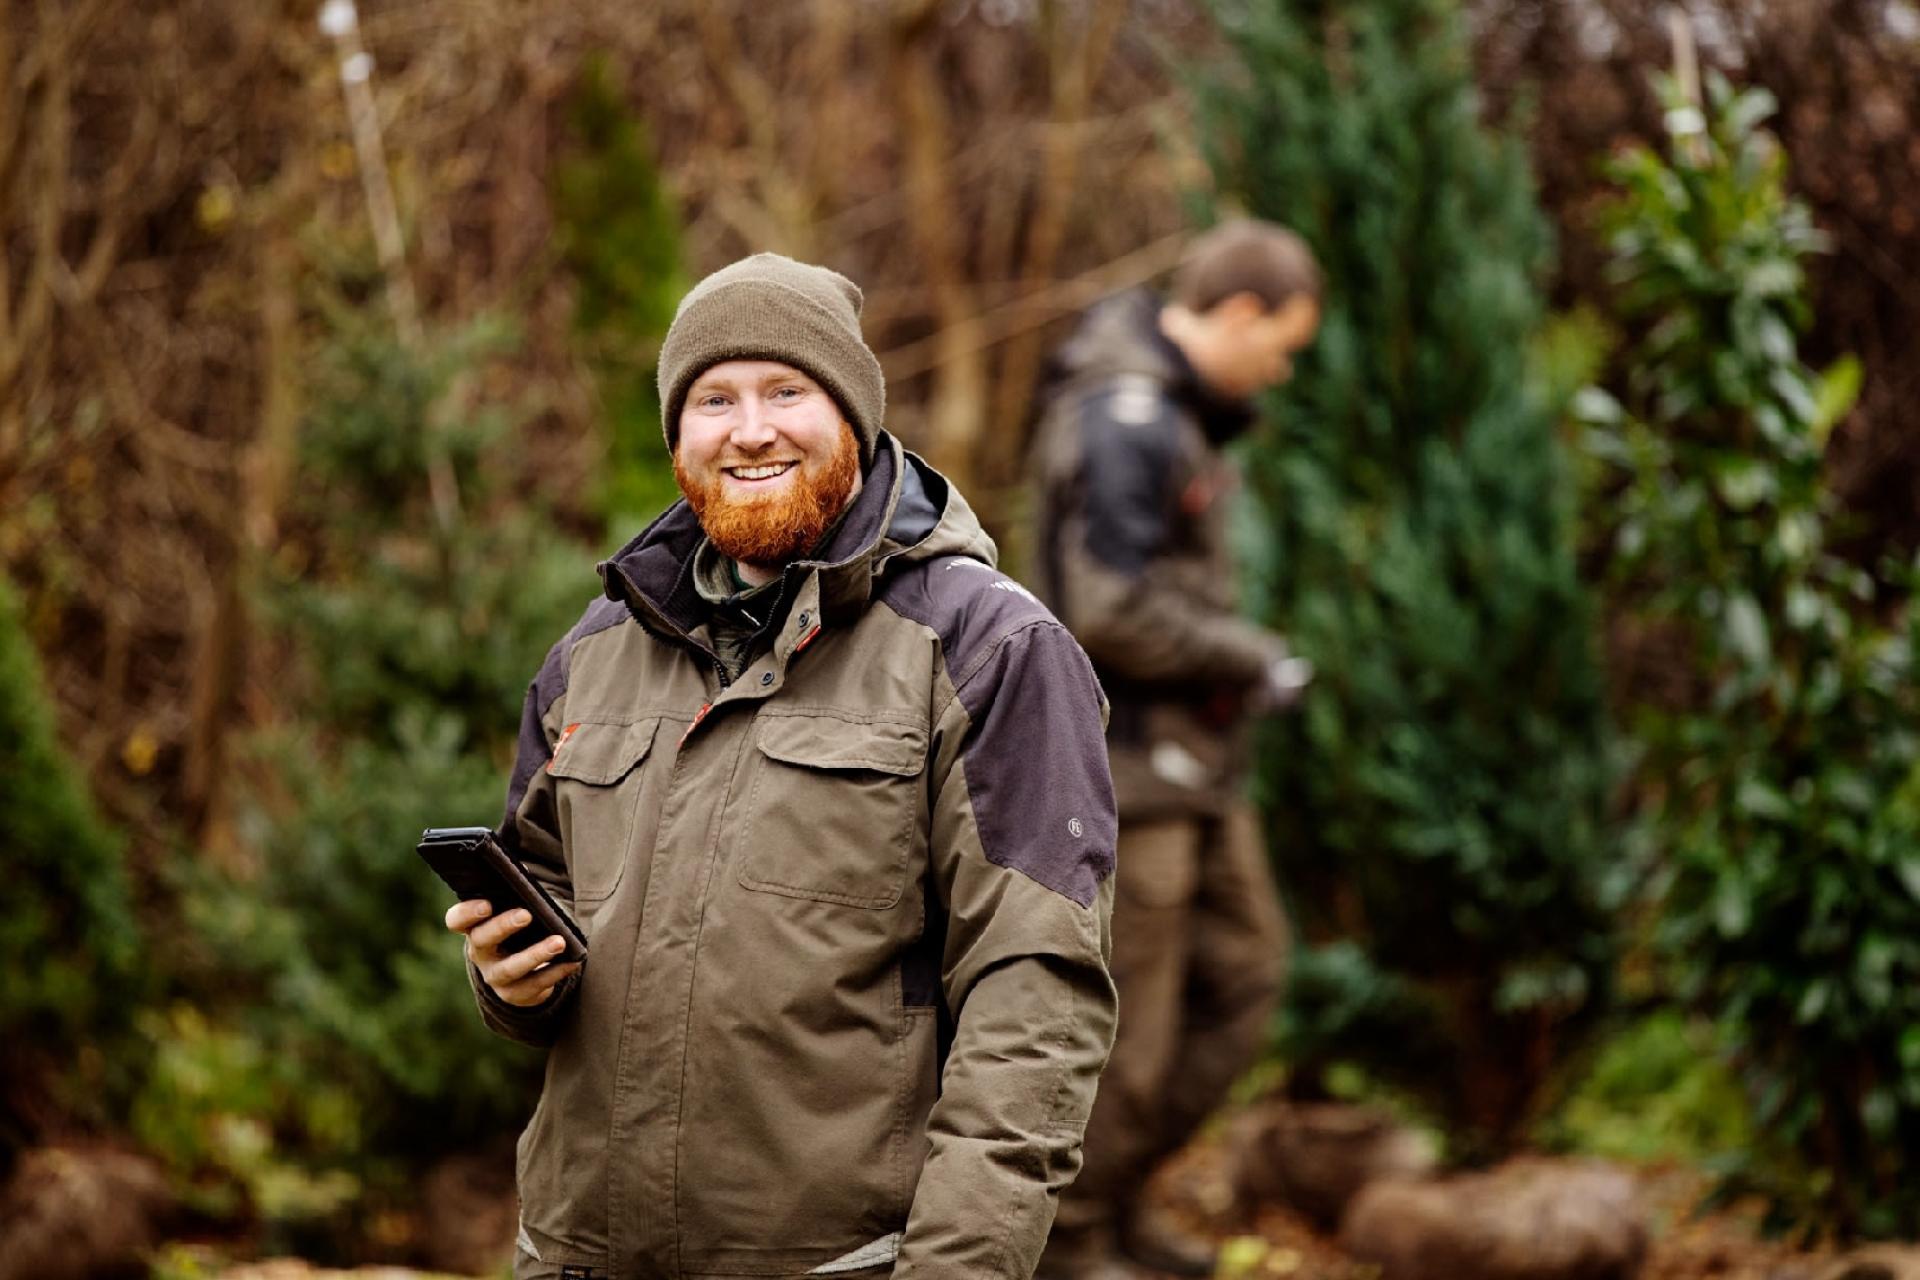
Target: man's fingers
(524, 978)
(498, 930)
(537, 986)
(510, 969)
(463, 915)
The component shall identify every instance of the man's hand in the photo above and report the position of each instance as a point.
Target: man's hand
(521, 978)
(1284, 684)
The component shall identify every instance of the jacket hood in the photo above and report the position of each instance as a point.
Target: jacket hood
(905, 512)
(1120, 337)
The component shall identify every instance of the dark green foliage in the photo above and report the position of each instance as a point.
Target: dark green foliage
(620, 235)
(397, 613)
(1439, 797)
(338, 1020)
(1784, 767)
(1347, 1013)
(68, 947)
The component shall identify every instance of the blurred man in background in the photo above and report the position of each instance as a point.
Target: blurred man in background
(1132, 554)
(829, 796)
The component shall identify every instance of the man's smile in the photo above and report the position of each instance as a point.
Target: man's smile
(760, 470)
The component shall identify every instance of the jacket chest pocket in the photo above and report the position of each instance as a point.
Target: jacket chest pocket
(832, 808)
(599, 773)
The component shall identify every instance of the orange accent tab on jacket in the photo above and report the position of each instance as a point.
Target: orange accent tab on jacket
(561, 741)
(698, 716)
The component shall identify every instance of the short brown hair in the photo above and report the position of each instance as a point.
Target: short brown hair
(1245, 255)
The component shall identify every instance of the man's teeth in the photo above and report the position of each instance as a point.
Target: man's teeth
(759, 473)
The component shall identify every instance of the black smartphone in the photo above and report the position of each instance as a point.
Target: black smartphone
(473, 865)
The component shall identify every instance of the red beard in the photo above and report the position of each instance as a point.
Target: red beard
(783, 525)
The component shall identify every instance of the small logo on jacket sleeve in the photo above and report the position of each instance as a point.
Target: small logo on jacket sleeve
(1134, 401)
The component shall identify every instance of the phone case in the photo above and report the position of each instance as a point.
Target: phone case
(473, 865)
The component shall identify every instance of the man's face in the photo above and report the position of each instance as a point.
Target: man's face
(1254, 347)
(765, 459)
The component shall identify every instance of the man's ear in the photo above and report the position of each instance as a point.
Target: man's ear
(1299, 318)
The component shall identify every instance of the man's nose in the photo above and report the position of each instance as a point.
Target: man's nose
(754, 428)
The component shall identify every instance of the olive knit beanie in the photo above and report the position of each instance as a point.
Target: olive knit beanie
(772, 308)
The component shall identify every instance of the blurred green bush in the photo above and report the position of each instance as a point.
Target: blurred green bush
(319, 1047)
(1782, 751)
(619, 234)
(1655, 1090)
(1439, 798)
(326, 1046)
(69, 947)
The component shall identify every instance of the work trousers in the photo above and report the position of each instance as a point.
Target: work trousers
(1199, 955)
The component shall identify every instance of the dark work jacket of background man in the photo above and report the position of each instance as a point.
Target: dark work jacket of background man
(847, 995)
(1131, 552)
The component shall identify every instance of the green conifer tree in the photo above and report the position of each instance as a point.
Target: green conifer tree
(68, 946)
(1437, 804)
(324, 1045)
(620, 236)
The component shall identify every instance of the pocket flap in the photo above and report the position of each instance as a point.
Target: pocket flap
(829, 742)
(598, 753)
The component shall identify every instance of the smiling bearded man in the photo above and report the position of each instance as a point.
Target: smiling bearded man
(770, 527)
(828, 795)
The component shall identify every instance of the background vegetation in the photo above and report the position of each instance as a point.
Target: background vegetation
(1782, 779)
(1438, 802)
